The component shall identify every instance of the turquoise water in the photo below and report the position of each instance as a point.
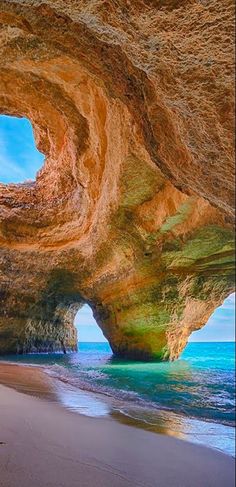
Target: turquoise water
(192, 397)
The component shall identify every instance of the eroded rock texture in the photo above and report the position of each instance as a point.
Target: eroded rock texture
(132, 212)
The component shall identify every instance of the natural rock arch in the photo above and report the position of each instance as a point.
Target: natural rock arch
(132, 211)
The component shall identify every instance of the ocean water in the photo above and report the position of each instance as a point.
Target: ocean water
(191, 398)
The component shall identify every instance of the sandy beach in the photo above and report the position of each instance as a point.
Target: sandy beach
(44, 445)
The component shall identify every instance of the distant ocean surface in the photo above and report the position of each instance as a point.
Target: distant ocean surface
(191, 398)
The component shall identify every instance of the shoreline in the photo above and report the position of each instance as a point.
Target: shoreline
(42, 443)
(37, 381)
(98, 393)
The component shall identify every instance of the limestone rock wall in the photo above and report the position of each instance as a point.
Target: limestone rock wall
(132, 212)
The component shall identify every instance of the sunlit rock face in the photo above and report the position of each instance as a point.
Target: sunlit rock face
(132, 212)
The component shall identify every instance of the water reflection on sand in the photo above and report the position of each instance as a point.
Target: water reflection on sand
(35, 382)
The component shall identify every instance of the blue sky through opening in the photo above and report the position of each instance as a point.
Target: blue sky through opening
(19, 161)
(19, 158)
(219, 328)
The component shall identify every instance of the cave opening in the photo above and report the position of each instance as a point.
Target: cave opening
(220, 326)
(88, 331)
(20, 159)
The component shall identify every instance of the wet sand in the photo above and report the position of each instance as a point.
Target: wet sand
(29, 380)
(44, 445)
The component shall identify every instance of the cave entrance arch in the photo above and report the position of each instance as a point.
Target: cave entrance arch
(88, 330)
(220, 326)
(20, 160)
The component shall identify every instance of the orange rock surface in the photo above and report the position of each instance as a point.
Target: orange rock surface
(132, 104)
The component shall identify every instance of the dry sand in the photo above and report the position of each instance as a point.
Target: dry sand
(44, 445)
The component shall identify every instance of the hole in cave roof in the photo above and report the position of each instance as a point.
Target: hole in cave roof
(20, 159)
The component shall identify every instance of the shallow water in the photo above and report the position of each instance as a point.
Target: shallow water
(192, 398)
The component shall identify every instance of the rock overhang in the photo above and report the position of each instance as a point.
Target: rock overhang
(132, 210)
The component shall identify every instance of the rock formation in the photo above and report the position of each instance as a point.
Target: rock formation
(132, 104)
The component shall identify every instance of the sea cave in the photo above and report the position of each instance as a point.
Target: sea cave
(131, 211)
